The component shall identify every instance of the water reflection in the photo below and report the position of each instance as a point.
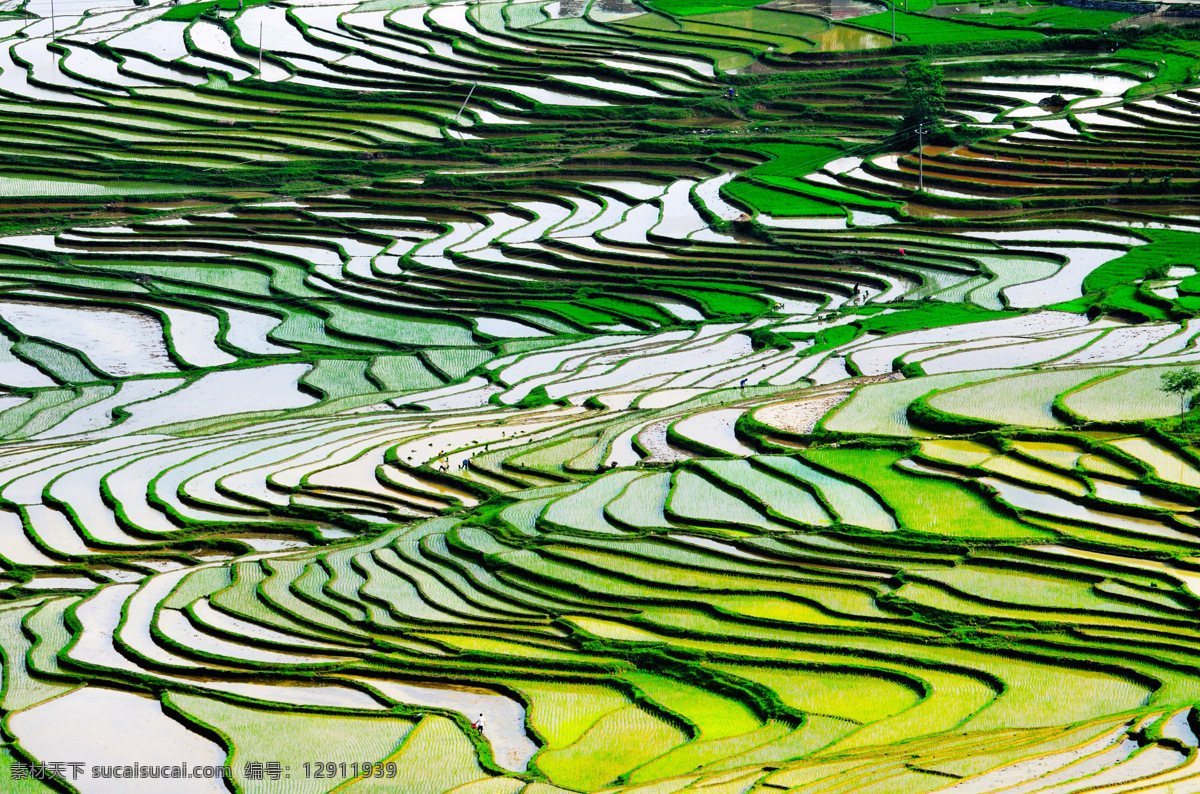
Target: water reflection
(569, 9)
(832, 9)
(839, 38)
(616, 6)
(963, 9)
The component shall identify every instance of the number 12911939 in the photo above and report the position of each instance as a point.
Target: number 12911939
(333, 769)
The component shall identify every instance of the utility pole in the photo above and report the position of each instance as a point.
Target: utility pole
(921, 159)
(260, 26)
(465, 101)
(53, 22)
(894, 20)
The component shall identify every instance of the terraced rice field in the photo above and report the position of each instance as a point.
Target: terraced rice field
(634, 377)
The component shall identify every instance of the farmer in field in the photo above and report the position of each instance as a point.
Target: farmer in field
(478, 724)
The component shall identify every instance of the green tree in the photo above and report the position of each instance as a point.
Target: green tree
(925, 98)
(1182, 382)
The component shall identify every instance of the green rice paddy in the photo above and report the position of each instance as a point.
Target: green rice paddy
(526, 398)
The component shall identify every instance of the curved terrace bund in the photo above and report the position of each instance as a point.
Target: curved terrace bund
(554, 396)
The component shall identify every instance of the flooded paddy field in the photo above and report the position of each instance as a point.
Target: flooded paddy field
(568, 396)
